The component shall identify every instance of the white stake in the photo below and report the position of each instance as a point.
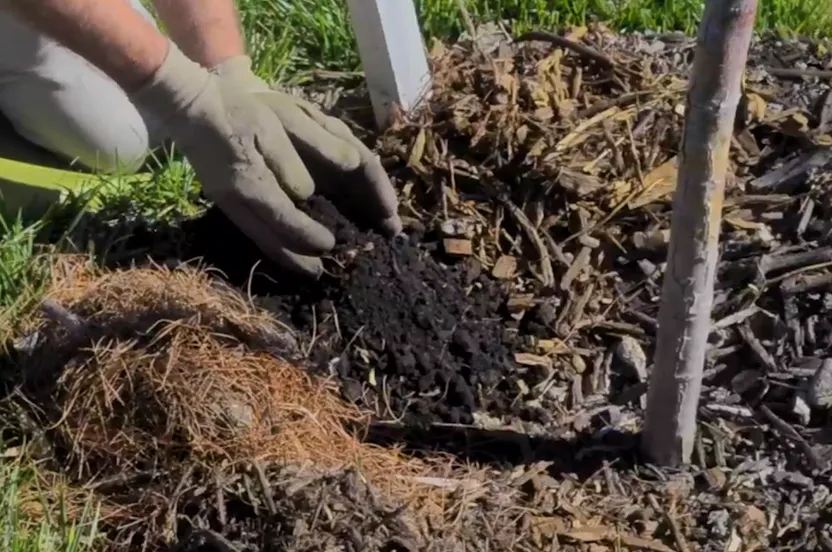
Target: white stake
(392, 54)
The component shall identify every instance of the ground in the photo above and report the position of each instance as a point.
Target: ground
(318, 38)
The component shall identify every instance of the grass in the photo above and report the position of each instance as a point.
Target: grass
(20, 271)
(288, 38)
(55, 529)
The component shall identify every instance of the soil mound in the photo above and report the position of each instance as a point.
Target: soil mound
(409, 335)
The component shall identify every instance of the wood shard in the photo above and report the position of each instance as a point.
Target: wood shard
(651, 241)
(547, 345)
(504, 268)
(658, 183)
(577, 266)
(520, 302)
(459, 247)
(529, 359)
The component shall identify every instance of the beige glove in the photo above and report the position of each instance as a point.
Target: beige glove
(244, 158)
(345, 169)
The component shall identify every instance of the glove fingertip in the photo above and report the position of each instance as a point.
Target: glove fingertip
(313, 238)
(392, 226)
(326, 241)
(350, 158)
(311, 267)
(307, 266)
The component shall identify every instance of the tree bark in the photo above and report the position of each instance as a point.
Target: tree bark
(687, 295)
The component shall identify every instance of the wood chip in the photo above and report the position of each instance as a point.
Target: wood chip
(529, 359)
(458, 247)
(504, 268)
(520, 302)
(658, 184)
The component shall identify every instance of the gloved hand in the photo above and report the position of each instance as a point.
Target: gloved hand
(344, 168)
(238, 137)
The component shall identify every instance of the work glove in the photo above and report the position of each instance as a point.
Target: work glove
(239, 140)
(343, 168)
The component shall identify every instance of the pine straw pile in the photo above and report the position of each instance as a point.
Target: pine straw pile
(147, 373)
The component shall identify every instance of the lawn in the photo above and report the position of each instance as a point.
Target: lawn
(287, 39)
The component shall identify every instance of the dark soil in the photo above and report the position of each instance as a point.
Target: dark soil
(407, 335)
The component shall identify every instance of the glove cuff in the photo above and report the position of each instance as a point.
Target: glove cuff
(176, 85)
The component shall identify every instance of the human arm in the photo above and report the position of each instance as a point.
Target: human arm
(207, 31)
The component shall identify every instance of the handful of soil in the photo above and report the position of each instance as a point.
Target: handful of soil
(407, 336)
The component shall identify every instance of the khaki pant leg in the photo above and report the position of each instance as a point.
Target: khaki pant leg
(59, 101)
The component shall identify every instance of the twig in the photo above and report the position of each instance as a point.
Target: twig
(620, 101)
(792, 171)
(739, 411)
(265, 487)
(634, 153)
(757, 348)
(205, 539)
(791, 433)
(671, 521)
(801, 283)
(805, 216)
(109, 485)
(580, 49)
(555, 249)
(174, 502)
(312, 341)
(469, 26)
(220, 498)
(581, 261)
(73, 323)
(524, 222)
(793, 73)
(735, 318)
(800, 260)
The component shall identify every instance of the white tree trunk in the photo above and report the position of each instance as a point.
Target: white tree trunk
(687, 296)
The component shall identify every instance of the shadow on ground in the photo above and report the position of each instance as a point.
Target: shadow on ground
(583, 456)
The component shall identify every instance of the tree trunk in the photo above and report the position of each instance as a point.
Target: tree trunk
(687, 295)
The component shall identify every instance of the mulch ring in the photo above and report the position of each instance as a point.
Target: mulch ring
(496, 355)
